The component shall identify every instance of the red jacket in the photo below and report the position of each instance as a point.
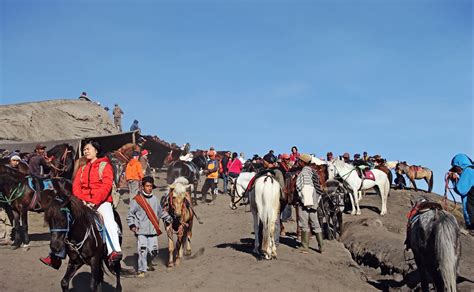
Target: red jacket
(87, 185)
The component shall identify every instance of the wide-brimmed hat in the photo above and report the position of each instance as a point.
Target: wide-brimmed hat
(149, 179)
(305, 158)
(40, 146)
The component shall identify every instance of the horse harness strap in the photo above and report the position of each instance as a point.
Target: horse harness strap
(141, 200)
(421, 208)
(17, 193)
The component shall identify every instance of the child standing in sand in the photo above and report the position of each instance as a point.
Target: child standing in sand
(145, 209)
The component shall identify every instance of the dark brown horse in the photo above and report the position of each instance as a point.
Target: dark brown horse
(17, 198)
(62, 160)
(74, 227)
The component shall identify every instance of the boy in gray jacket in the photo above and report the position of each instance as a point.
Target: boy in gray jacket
(143, 220)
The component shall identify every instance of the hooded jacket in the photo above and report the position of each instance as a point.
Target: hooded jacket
(465, 183)
(88, 186)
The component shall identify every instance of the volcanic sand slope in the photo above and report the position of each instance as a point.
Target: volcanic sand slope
(53, 120)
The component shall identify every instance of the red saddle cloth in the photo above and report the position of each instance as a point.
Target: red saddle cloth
(368, 174)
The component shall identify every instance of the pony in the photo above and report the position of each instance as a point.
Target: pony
(416, 172)
(434, 237)
(179, 208)
(62, 163)
(331, 208)
(76, 228)
(350, 179)
(265, 206)
(189, 170)
(17, 198)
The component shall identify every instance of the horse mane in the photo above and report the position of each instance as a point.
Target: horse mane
(12, 171)
(180, 185)
(82, 214)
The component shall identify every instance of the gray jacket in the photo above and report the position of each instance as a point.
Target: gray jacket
(138, 218)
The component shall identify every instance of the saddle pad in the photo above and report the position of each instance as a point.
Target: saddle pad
(369, 175)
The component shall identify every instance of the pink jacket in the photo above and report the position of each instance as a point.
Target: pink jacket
(234, 166)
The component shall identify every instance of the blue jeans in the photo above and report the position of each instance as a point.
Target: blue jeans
(225, 177)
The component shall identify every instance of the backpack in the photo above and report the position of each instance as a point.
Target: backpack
(102, 165)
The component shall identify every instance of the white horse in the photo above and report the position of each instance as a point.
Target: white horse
(265, 206)
(238, 187)
(349, 175)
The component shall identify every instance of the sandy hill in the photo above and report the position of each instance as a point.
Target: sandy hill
(53, 120)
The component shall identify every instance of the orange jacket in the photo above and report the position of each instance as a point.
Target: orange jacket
(134, 170)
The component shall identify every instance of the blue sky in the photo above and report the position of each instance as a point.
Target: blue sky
(389, 77)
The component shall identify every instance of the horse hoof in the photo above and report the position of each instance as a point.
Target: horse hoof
(187, 252)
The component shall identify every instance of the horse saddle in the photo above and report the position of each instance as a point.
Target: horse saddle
(47, 184)
(368, 174)
(35, 203)
(259, 174)
(422, 207)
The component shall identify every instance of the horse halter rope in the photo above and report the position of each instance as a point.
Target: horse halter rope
(74, 246)
(61, 168)
(17, 193)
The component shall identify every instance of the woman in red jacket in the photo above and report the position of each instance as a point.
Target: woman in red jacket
(93, 184)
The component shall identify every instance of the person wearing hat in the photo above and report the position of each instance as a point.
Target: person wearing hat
(462, 173)
(212, 172)
(39, 167)
(143, 220)
(134, 174)
(346, 157)
(144, 162)
(117, 113)
(309, 193)
(14, 161)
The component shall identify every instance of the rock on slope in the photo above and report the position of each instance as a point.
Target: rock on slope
(53, 120)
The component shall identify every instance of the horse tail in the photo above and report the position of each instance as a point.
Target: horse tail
(430, 184)
(447, 249)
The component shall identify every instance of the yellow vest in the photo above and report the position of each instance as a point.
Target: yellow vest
(213, 165)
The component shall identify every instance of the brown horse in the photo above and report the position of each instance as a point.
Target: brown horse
(177, 204)
(17, 198)
(62, 160)
(416, 172)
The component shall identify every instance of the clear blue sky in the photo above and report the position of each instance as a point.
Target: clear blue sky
(389, 77)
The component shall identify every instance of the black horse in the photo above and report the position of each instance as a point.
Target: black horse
(16, 198)
(188, 169)
(73, 227)
(62, 163)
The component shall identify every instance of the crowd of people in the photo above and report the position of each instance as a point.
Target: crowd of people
(93, 183)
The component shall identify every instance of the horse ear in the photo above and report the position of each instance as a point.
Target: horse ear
(188, 187)
(171, 186)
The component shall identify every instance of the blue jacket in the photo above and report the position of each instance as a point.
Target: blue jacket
(466, 179)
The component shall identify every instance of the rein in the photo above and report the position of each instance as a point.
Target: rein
(61, 168)
(76, 247)
(17, 193)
